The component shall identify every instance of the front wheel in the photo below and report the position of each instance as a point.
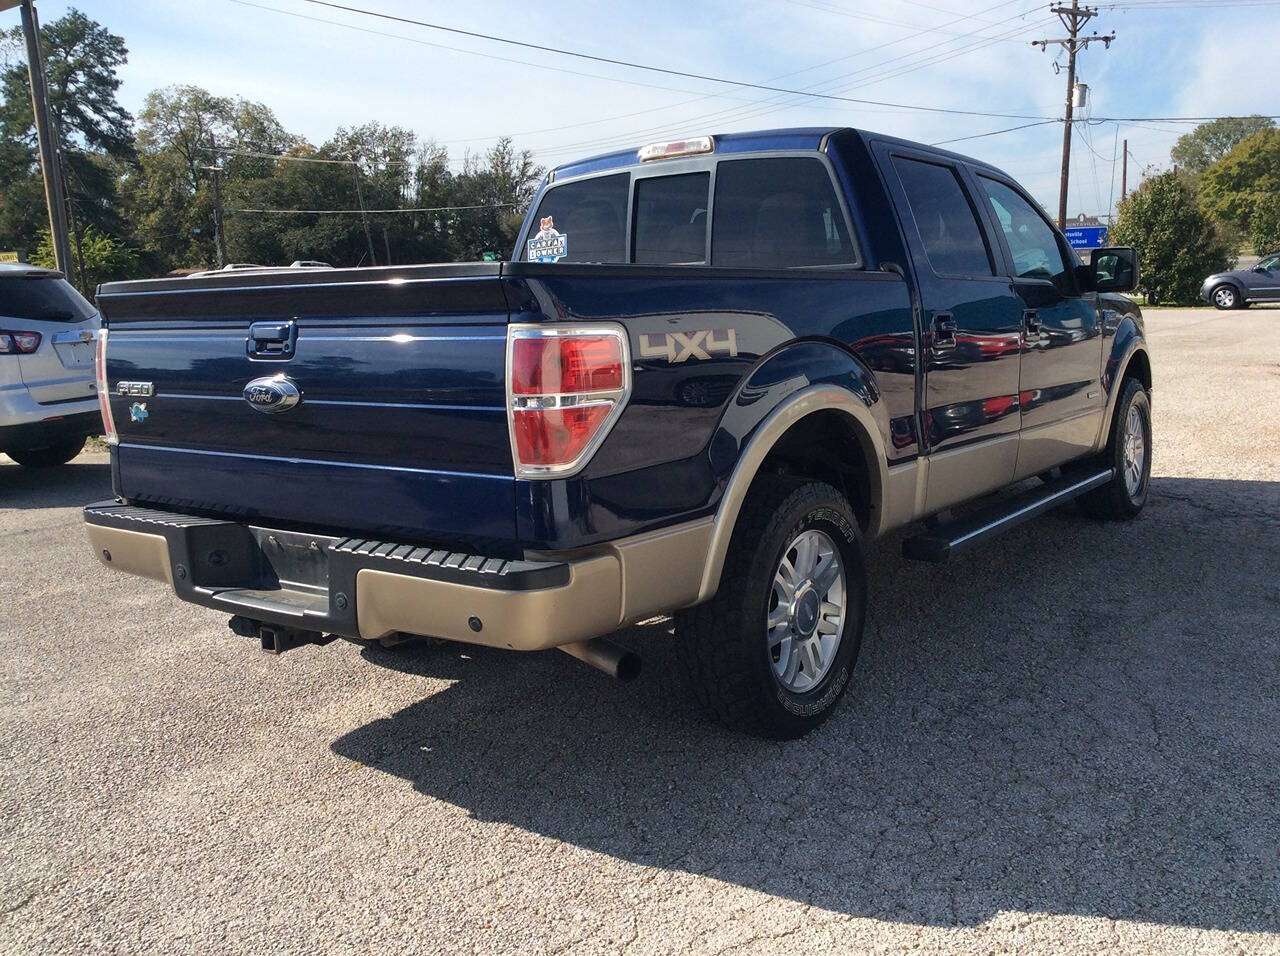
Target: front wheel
(772, 653)
(48, 455)
(1225, 297)
(1129, 455)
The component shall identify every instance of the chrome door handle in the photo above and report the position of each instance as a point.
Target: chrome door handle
(944, 332)
(1031, 322)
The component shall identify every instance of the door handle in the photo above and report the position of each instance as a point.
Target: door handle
(271, 340)
(944, 332)
(1031, 322)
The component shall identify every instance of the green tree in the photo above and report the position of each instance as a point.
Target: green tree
(1178, 244)
(1243, 188)
(498, 188)
(1209, 142)
(95, 136)
(105, 258)
(183, 133)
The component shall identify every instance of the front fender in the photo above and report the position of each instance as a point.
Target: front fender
(1127, 341)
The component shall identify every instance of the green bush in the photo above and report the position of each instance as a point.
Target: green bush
(1178, 243)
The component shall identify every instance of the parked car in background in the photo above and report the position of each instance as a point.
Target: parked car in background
(48, 403)
(1243, 287)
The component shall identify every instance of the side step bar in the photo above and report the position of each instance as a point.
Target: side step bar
(939, 543)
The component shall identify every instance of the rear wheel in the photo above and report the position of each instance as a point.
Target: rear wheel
(1225, 297)
(1129, 454)
(771, 654)
(47, 456)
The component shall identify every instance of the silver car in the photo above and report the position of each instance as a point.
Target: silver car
(48, 401)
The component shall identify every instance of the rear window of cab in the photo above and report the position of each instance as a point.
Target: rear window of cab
(768, 213)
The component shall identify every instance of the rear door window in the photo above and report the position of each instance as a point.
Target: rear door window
(590, 215)
(671, 219)
(42, 299)
(946, 221)
(776, 214)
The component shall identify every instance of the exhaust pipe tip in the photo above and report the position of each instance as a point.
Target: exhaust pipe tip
(604, 655)
(628, 668)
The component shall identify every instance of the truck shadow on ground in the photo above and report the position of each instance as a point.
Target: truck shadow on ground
(78, 483)
(1079, 719)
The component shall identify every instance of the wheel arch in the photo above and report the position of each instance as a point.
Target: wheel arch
(788, 427)
(1130, 359)
(1241, 291)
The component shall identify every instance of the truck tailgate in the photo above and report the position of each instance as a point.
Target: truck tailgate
(401, 427)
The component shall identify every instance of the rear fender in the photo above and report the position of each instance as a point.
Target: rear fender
(801, 380)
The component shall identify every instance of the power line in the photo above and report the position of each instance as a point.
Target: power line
(994, 132)
(358, 212)
(630, 64)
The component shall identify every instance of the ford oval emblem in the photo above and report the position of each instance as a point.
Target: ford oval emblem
(275, 393)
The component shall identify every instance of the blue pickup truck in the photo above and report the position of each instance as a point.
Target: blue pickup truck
(714, 371)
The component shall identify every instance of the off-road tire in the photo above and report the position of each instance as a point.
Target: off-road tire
(48, 455)
(724, 642)
(1115, 501)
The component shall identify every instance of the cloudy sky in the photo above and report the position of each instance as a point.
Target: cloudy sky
(319, 68)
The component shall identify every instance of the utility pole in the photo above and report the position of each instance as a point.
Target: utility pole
(55, 196)
(1073, 18)
(219, 237)
(364, 215)
(1124, 171)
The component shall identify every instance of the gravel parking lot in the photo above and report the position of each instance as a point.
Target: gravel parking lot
(1068, 741)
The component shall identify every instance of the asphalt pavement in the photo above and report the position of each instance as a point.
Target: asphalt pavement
(1067, 741)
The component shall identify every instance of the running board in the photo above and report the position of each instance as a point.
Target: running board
(937, 544)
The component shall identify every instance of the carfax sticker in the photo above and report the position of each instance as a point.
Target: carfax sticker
(548, 245)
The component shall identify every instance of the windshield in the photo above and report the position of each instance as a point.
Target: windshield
(43, 299)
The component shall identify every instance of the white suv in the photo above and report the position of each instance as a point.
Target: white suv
(48, 403)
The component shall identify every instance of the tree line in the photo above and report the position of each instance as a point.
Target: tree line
(1222, 196)
(144, 193)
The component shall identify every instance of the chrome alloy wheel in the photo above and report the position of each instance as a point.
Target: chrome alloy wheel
(1135, 451)
(1224, 297)
(806, 611)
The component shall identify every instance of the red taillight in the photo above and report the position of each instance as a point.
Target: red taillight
(565, 388)
(104, 391)
(566, 364)
(22, 343)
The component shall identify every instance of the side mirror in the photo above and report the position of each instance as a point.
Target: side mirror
(1262, 269)
(1114, 269)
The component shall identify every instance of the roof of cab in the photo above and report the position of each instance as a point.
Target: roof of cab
(799, 138)
(808, 137)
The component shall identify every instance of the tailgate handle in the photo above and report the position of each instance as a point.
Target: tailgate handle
(271, 340)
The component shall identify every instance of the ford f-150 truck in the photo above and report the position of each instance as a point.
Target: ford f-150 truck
(713, 372)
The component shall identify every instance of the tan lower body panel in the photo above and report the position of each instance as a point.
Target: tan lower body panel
(588, 606)
(1048, 446)
(617, 584)
(133, 552)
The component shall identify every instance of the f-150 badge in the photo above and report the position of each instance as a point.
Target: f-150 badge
(548, 245)
(677, 347)
(275, 393)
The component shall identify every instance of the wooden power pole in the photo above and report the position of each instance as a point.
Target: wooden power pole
(1124, 171)
(1073, 18)
(54, 193)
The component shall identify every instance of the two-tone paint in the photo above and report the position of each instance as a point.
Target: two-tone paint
(401, 430)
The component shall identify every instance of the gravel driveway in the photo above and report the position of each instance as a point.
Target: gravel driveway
(1067, 741)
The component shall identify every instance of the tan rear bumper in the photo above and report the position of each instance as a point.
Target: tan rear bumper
(379, 591)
